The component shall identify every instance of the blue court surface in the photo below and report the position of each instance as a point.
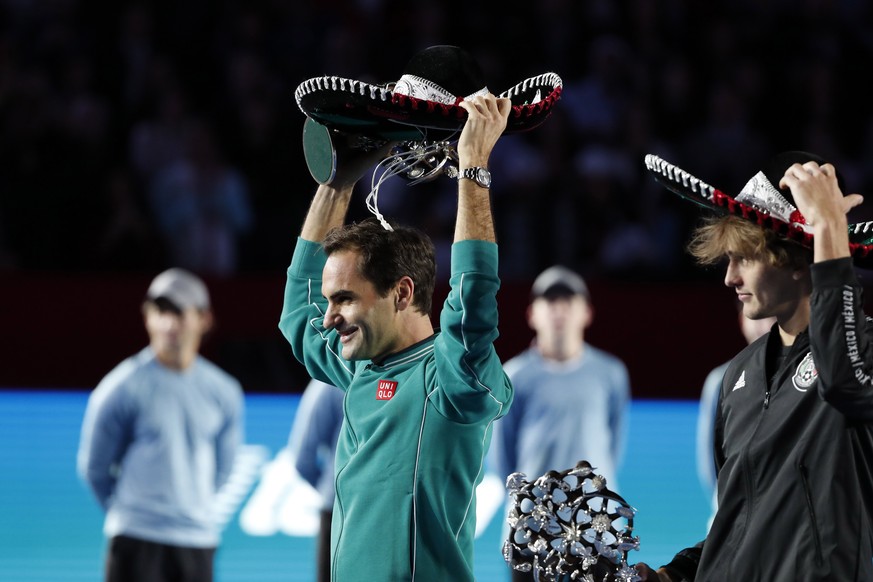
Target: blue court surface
(50, 529)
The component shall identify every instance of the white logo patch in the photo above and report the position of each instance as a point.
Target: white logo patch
(806, 374)
(741, 382)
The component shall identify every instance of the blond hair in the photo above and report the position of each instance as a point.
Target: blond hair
(717, 236)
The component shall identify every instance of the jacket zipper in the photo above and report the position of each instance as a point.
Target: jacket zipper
(808, 494)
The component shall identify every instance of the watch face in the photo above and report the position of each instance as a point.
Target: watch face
(483, 177)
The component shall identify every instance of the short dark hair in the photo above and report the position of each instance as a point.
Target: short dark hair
(388, 255)
(716, 236)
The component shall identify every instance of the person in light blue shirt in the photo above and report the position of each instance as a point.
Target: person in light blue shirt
(571, 399)
(158, 440)
(313, 445)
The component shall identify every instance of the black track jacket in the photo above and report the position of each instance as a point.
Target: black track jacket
(795, 481)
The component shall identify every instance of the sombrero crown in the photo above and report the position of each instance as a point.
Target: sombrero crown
(762, 201)
(423, 103)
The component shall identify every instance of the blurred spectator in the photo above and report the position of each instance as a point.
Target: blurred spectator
(597, 102)
(128, 237)
(135, 46)
(201, 205)
(158, 141)
(158, 441)
(317, 426)
(725, 134)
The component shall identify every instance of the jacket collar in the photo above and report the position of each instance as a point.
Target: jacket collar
(415, 352)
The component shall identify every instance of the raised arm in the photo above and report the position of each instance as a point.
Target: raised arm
(821, 202)
(840, 338)
(486, 121)
(331, 201)
(304, 307)
(326, 211)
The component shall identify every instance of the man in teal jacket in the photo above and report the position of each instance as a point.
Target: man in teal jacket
(419, 402)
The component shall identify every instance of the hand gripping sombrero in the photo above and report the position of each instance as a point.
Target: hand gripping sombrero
(569, 525)
(420, 108)
(761, 201)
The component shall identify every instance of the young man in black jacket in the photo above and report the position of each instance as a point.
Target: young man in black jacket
(794, 429)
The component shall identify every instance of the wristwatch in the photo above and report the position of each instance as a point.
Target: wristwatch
(478, 174)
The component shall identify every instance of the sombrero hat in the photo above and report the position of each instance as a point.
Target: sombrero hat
(762, 201)
(423, 102)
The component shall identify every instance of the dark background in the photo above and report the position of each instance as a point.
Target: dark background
(103, 107)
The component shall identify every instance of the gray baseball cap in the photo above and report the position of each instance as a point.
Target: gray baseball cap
(181, 288)
(559, 281)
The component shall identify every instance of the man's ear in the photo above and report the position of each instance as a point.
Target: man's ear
(589, 315)
(801, 273)
(404, 292)
(208, 320)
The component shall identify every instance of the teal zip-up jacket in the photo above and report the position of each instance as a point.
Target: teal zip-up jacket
(417, 425)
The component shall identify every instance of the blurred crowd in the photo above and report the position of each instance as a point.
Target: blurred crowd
(142, 135)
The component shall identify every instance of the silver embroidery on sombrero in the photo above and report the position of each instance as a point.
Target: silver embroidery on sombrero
(760, 194)
(339, 84)
(547, 80)
(537, 95)
(421, 88)
(680, 177)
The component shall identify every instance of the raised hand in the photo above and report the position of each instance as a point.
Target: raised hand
(486, 120)
(817, 194)
(821, 202)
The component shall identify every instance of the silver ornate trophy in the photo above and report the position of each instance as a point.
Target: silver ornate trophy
(568, 525)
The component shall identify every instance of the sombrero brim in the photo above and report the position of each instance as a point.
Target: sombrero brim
(695, 190)
(354, 106)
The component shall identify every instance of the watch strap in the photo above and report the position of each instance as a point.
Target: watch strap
(474, 173)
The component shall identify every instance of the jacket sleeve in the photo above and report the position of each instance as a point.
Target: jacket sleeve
(839, 336)
(618, 410)
(504, 445)
(106, 435)
(473, 385)
(684, 564)
(231, 436)
(320, 416)
(302, 319)
(717, 441)
(705, 442)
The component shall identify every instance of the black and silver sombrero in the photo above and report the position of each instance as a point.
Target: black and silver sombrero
(762, 201)
(423, 102)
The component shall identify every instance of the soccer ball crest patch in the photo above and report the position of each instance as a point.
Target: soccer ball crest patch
(806, 374)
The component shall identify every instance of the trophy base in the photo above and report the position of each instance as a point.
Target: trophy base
(319, 151)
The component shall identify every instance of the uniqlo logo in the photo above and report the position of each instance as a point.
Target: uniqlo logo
(385, 389)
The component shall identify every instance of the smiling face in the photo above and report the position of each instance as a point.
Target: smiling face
(365, 321)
